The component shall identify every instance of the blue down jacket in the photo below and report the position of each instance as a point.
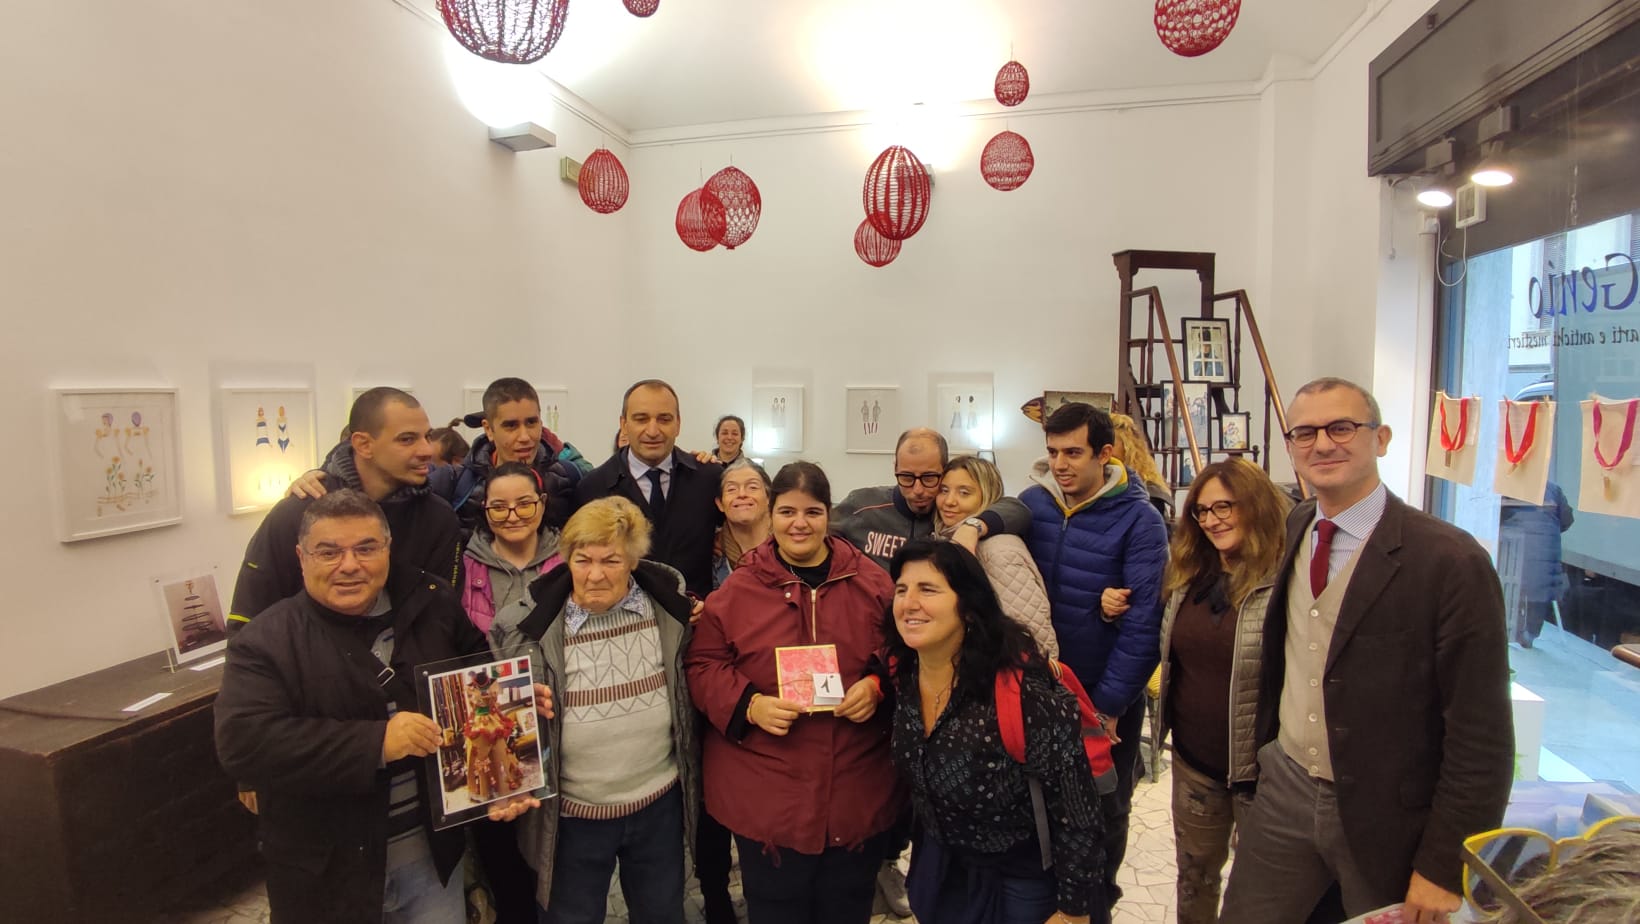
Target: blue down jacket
(1115, 540)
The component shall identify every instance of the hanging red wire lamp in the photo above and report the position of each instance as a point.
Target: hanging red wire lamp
(872, 247)
(604, 185)
(642, 7)
(508, 31)
(1007, 161)
(1195, 27)
(897, 193)
(742, 204)
(700, 220)
(1013, 84)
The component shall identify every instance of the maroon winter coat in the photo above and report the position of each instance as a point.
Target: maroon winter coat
(829, 782)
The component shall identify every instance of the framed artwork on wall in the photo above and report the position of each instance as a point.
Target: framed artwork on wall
(1193, 403)
(195, 621)
(1234, 429)
(266, 439)
(871, 419)
(116, 465)
(554, 406)
(777, 419)
(1207, 350)
(962, 412)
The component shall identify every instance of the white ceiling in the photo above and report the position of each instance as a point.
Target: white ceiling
(700, 62)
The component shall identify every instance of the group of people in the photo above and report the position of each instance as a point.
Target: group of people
(1333, 675)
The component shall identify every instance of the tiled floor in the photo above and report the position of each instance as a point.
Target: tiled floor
(1592, 716)
(1146, 878)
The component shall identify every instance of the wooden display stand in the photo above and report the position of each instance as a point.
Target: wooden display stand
(110, 816)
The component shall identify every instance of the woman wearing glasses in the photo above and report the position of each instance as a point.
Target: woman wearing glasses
(510, 547)
(1225, 553)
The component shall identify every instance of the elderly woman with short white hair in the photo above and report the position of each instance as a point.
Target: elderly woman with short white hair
(608, 630)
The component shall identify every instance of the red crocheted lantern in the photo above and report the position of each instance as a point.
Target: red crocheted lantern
(508, 31)
(872, 247)
(603, 182)
(700, 220)
(742, 204)
(1007, 162)
(1195, 27)
(1013, 84)
(897, 193)
(642, 7)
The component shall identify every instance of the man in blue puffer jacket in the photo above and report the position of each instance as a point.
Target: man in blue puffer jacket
(1094, 534)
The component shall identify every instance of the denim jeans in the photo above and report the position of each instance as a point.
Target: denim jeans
(649, 846)
(413, 893)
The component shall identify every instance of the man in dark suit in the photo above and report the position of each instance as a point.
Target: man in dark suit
(1384, 709)
(679, 495)
(676, 492)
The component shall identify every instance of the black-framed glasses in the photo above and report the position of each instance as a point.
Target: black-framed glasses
(1220, 509)
(928, 479)
(1339, 431)
(363, 552)
(498, 512)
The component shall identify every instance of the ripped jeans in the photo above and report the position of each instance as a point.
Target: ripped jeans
(1204, 813)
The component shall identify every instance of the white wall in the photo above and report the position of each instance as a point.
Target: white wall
(231, 194)
(203, 194)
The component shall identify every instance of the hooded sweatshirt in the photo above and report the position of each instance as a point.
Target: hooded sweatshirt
(493, 584)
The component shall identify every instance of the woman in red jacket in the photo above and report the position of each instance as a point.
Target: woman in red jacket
(808, 792)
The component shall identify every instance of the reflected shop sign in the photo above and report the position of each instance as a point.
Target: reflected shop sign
(1614, 287)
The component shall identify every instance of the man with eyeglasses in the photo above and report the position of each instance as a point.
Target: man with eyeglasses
(1383, 711)
(1101, 547)
(317, 712)
(387, 458)
(877, 521)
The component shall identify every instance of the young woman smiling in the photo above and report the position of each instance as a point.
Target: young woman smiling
(809, 796)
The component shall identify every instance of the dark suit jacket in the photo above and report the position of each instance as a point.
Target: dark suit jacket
(1417, 695)
(683, 535)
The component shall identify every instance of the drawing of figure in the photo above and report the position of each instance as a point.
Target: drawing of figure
(973, 415)
(283, 426)
(104, 432)
(552, 417)
(780, 413)
(865, 417)
(774, 412)
(876, 414)
(492, 768)
(137, 431)
(956, 414)
(262, 428)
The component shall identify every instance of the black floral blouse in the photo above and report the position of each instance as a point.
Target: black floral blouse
(970, 795)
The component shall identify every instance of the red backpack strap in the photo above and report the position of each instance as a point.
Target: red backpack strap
(1010, 717)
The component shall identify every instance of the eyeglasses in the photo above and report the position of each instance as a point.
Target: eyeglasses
(1220, 509)
(755, 486)
(1496, 863)
(498, 512)
(363, 552)
(1339, 431)
(928, 479)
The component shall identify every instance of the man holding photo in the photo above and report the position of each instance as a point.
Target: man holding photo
(317, 713)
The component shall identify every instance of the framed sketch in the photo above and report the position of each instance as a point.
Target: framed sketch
(1234, 430)
(962, 411)
(116, 468)
(266, 439)
(1207, 350)
(1193, 403)
(871, 419)
(196, 624)
(777, 419)
(1054, 400)
(554, 406)
(490, 738)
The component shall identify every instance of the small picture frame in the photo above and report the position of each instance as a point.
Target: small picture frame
(195, 620)
(116, 466)
(490, 745)
(804, 671)
(1207, 350)
(871, 415)
(1234, 430)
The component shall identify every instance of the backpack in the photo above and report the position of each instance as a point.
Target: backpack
(1011, 723)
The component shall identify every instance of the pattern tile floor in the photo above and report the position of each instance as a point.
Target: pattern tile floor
(1146, 878)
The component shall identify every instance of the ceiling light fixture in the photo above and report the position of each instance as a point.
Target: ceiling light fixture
(1437, 195)
(1494, 170)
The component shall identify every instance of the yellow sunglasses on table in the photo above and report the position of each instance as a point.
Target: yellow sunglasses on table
(1498, 863)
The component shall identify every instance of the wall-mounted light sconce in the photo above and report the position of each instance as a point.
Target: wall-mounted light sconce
(1440, 164)
(527, 136)
(1494, 170)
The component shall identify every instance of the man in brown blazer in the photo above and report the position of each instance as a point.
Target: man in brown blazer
(1384, 709)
